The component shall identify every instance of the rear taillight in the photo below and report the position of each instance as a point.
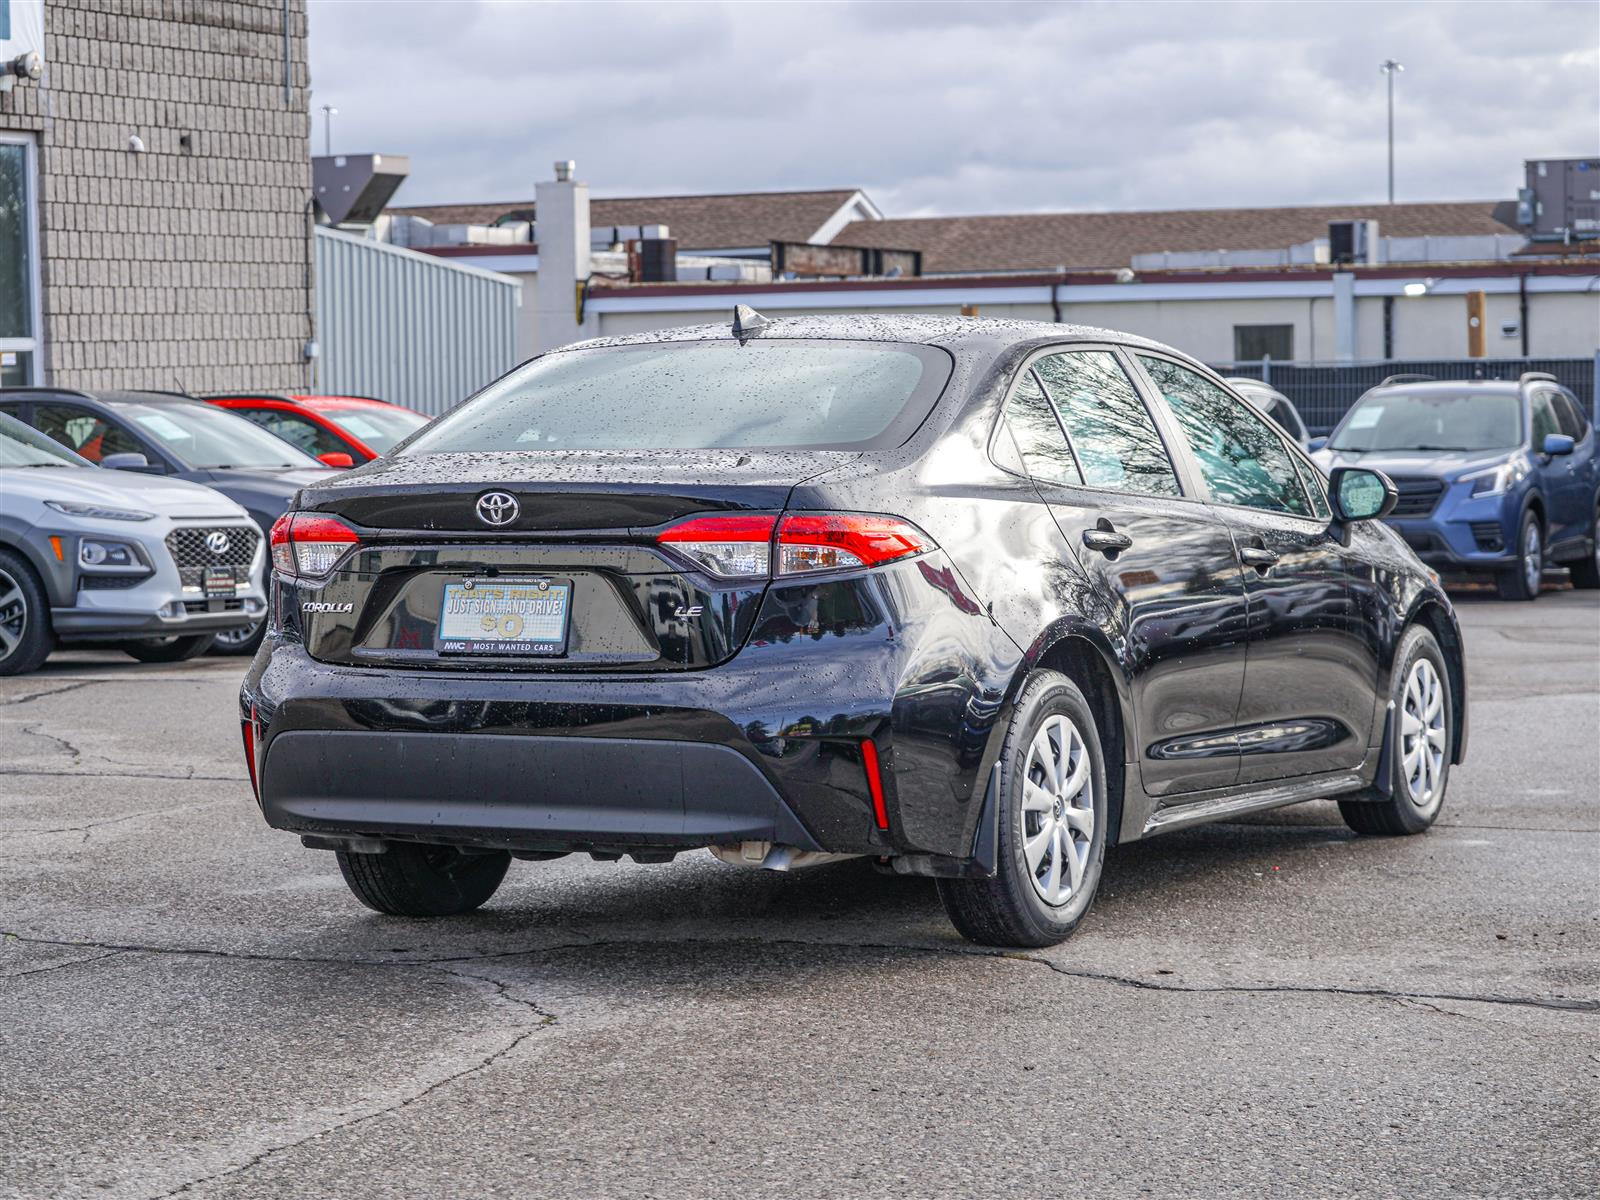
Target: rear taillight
(307, 545)
(742, 547)
(835, 541)
(735, 547)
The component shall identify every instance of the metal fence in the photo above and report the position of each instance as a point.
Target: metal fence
(1324, 392)
(408, 327)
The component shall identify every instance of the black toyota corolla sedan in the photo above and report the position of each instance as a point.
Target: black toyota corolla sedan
(973, 599)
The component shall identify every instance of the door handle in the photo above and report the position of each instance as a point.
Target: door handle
(1258, 557)
(1107, 541)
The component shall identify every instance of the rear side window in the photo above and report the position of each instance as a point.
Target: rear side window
(84, 431)
(1112, 436)
(1242, 459)
(782, 394)
(296, 430)
(1038, 434)
(1279, 412)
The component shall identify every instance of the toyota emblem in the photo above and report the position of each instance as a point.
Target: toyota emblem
(217, 542)
(498, 508)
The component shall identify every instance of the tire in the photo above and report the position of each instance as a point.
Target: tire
(241, 641)
(169, 649)
(1586, 570)
(1416, 795)
(26, 638)
(1016, 908)
(1521, 582)
(411, 880)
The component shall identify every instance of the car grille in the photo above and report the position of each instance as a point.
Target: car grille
(205, 606)
(1418, 497)
(193, 556)
(110, 583)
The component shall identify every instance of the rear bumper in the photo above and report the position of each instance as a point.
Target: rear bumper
(525, 792)
(765, 747)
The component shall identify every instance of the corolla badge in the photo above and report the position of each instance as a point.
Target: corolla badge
(326, 606)
(217, 542)
(498, 508)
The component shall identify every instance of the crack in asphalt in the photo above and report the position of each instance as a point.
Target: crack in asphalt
(31, 696)
(37, 730)
(126, 775)
(1554, 1004)
(92, 825)
(61, 966)
(1514, 828)
(502, 993)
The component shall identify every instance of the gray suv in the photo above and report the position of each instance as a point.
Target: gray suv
(154, 566)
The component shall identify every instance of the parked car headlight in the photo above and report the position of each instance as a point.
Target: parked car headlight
(74, 509)
(93, 553)
(1496, 480)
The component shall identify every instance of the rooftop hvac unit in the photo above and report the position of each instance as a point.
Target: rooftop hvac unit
(1562, 200)
(1353, 242)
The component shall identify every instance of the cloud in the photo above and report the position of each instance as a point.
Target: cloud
(943, 108)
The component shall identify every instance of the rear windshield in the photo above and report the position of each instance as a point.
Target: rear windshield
(1432, 421)
(786, 394)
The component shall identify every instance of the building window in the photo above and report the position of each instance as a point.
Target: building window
(1252, 343)
(19, 263)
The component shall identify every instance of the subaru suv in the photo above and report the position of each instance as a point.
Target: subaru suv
(156, 567)
(1496, 477)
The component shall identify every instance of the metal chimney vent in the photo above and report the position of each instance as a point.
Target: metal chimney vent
(353, 188)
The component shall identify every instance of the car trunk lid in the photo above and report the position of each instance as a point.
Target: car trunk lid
(575, 548)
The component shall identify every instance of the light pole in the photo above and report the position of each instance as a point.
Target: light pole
(1390, 68)
(329, 112)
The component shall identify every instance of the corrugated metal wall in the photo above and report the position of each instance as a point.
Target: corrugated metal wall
(408, 327)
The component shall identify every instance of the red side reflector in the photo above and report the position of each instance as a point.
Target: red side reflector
(247, 727)
(869, 761)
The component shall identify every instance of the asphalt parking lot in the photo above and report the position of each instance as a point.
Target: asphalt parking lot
(193, 1005)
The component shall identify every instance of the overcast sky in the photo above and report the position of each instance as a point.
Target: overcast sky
(958, 107)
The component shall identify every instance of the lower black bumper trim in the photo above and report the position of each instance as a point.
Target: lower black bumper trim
(522, 791)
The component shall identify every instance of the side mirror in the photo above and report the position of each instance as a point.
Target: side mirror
(1316, 443)
(1557, 444)
(1362, 495)
(127, 460)
(337, 458)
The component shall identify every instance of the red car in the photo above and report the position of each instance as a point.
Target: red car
(342, 431)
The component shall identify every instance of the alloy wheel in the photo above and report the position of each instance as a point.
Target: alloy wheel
(1532, 557)
(237, 635)
(1057, 811)
(13, 614)
(1422, 734)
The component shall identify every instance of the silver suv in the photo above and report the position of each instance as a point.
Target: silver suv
(154, 566)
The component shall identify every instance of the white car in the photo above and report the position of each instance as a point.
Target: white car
(1275, 404)
(155, 566)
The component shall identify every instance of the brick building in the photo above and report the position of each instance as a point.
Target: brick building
(154, 193)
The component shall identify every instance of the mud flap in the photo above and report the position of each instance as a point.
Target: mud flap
(984, 862)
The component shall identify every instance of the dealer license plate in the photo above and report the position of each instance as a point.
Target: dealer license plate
(505, 616)
(219, 581)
